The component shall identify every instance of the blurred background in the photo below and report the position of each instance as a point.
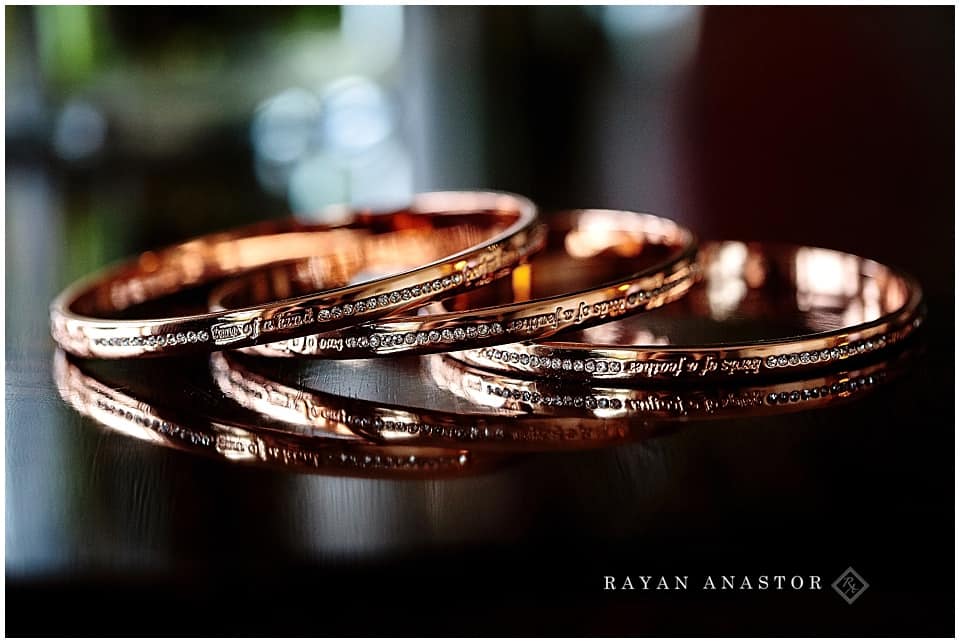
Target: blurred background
(127, 128)
(810, 124)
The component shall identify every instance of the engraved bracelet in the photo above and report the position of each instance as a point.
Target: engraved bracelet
(459, 240)
(712, 399)
(827, 306)
(242, 443)
(598, 265)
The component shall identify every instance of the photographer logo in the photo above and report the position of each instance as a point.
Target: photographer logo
(850, 585)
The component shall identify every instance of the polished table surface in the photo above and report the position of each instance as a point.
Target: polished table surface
(111, 535)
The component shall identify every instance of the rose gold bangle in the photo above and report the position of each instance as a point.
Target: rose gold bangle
(244, 444)
(830, 307)
(598, 265)
(460, 240)
(743, 399)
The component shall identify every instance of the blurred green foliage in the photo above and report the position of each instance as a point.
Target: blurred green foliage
(73, 43)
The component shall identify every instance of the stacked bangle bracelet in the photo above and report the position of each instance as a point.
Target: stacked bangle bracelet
(826, 306)
(598, 265)
(565, 334)
(460, 240)
(551, 397)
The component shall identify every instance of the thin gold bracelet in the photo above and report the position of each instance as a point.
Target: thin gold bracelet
(459, 240)
(603, 264)
(830, 306)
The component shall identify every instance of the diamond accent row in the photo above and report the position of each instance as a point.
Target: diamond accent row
(287, 454)
(367, 461)
(334, 312)
(826, 355)
(389, 298)
(595, 402)
(554, 363)
(574, 401)
(802, 395)
(420, 338)
(169, 339)
(471, 432)
(150, 422)
(597, 366)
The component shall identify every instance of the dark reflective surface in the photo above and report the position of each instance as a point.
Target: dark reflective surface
(94, 513)
(109, 534)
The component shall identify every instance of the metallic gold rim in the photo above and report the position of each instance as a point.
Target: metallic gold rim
(759, 359)
(551, 398)
(213, 257)
(524, 320)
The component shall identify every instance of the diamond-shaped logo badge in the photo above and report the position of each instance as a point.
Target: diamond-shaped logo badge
(850, 585)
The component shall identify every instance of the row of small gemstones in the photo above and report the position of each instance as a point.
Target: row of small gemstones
(588, 401)
(553, 363)
(335, 312)
(396, 462)
(612, 366)
(359, 460)
(593, 402)
(434, 430)
(826, 355)
(849, 386)
(149, 422)
(170, 339)
(461, 333)
(385, 299)
(437, 285)
(426, 337)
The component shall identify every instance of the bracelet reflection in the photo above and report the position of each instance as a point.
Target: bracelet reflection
(334, 452)
(510, 414)
(242, 378)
